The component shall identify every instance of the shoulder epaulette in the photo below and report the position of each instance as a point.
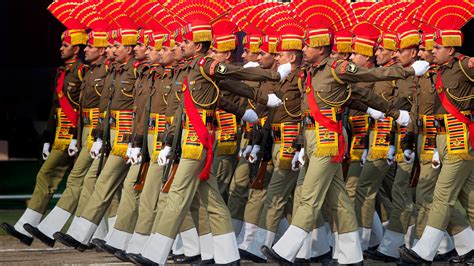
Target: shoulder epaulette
(80, 71)
(334, 64)
(135, 68)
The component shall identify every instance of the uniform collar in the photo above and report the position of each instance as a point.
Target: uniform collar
(321, 64)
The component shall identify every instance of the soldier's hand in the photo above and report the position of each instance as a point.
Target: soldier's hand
(163, 156)
(250, 116)
(135, 156)
(273, 101)
(301, 157)
(295, 165)
(45, 152)
(72, 150)
(246, 152)
(408, 156)
(391, 155)
(435, 162)
(420, 67)
(96, 147)
(470, 63)
(375, 114)
(404, 118)
(284, 71)
(363, 158)
(128, 153)
(251, 64)
(253, 154)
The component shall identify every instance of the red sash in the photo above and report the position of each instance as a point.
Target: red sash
(325, 121)
(201, 130)
(453, 110)
(66, 106)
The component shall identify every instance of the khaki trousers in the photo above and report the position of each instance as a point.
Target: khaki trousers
(107, 184)
(402, 195)
(352, 179)
(255, 202)
(70, 197)
(323, 183)
(371, 179)
(48, 178)
(239, 190)
(281, 186)
(455, 181)
(222, 169)
(181, 195)
(148, 205)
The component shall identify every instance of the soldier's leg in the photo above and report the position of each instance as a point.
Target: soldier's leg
(253, 210)
(127, 211)
(455, 174)
(68, 202)
(106, 186)
(281, 185)
(201, 218)
(352, 178)
(368, 186)
(147, 208)
(224, 240)
(179, 199)
(222, 169)
(47, 180)
(323, 182)
(401, 213)
(239, 193)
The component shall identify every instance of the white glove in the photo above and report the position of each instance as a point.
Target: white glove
(251, 64)
(253, 154)
(95, 150)
(284, 71)
(250, 116)
(273, 101)
(72, 150)
(295, 165)
(129, 150)
(408, 156)
(163, 156)
(375, 114)
(435, 162)
(246, 152)
(135, 156)
(301, 157)
(420, 67)
(363, 158)
(404, 118)
(45, 152)
(391, 155)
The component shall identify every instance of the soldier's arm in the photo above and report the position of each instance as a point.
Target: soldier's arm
(48, 135)
(362, 97)
(231, 107)
(242, 89)
(218, 70)
(467, 68)
(349, 72)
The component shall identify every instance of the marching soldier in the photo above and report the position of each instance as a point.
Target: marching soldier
(285, 126)
(92, 87)
(326, 91)
(200, 95)
(454, 140)
(61, 132)
(115, 168)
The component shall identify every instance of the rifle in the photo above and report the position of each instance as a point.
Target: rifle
(106, 132)
(259, 168)
(142, 172)
(415, 170)
(170, 169)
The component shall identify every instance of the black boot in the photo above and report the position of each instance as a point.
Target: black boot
(273, 256)
(9, 229)
(463, 258)
(140, 260)
(69, 241)
(249, 256)
(378, 256)
(187, 260)
(34, 231)
(409, 256)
